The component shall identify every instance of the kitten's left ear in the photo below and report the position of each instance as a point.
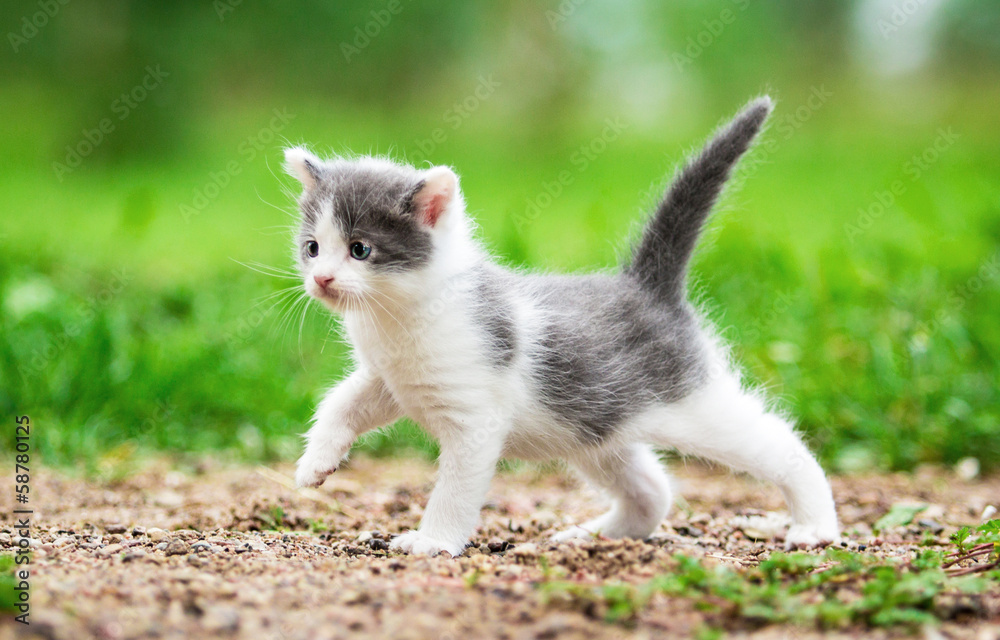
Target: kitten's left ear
(434, 194)
(304, 166)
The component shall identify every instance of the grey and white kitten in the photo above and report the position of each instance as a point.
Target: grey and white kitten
(597, 370)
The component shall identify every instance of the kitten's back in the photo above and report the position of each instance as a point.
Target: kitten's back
(605, 349)
(609, 346)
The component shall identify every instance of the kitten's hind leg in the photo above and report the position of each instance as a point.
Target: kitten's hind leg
(637, 483)
(724, 423)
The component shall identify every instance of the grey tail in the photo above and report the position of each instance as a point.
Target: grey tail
(659, 261)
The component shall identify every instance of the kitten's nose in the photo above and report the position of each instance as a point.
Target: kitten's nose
(322, 281)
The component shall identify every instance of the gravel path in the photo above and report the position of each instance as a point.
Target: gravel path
(167, 554)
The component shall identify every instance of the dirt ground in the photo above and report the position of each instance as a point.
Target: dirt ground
(166, 554)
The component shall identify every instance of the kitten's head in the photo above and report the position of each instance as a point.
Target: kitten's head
(369, 226)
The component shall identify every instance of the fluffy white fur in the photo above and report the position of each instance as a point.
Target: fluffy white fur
(418, 330)
(417, 356)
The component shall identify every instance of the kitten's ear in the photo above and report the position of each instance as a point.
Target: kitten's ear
(304, 166)
(432, 197)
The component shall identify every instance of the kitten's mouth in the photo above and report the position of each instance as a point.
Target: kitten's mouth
(333, 295)
(330, 295)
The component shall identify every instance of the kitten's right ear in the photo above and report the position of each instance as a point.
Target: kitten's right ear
(304, 166)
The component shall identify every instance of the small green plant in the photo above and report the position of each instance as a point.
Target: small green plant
(835, 590)
(318, 526)
(272, 518)
(8, 596)
(472, 578)
(899, 515)
(986, 550)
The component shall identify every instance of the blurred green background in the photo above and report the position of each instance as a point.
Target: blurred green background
(856, 269)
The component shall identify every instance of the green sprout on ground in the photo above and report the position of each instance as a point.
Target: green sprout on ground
(833, 590)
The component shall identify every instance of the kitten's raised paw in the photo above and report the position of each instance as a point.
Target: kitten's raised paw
(312, 469)
(803, 536)
(417, 543)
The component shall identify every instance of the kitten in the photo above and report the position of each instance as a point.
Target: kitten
(596, 370)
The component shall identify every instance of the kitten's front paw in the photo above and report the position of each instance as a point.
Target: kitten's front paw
(313, 468)
(418, 543)
(804, 536)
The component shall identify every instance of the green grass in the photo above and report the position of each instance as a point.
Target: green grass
(835, 590)
(8, 594)
(126, 329)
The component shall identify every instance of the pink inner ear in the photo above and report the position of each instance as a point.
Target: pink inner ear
(433, 208)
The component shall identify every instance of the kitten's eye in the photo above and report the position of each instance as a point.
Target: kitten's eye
(312, 248)
(360, 251)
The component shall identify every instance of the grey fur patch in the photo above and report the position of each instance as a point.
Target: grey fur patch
(609, 349)
(494, 314)
(371, 203)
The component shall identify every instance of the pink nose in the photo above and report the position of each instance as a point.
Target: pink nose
(322, 281)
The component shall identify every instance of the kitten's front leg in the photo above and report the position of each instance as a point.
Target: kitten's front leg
(357, 404)
(465, 467)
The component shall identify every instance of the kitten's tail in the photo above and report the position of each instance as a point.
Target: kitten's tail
(660, 259)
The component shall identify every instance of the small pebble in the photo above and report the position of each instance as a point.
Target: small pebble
(109, 550)
(544, 519)
(364, 536)
(156, 534)
(935, 527)
(967, 469)
(5, 538)
(496, 545)
(224, 620)
(989, 512)
(116, 528)
(526, 550)
(176, 548)
(688, 530)
(134, 554)
(138, 531)
(201, 545)
(378, 545)
(160, 547)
